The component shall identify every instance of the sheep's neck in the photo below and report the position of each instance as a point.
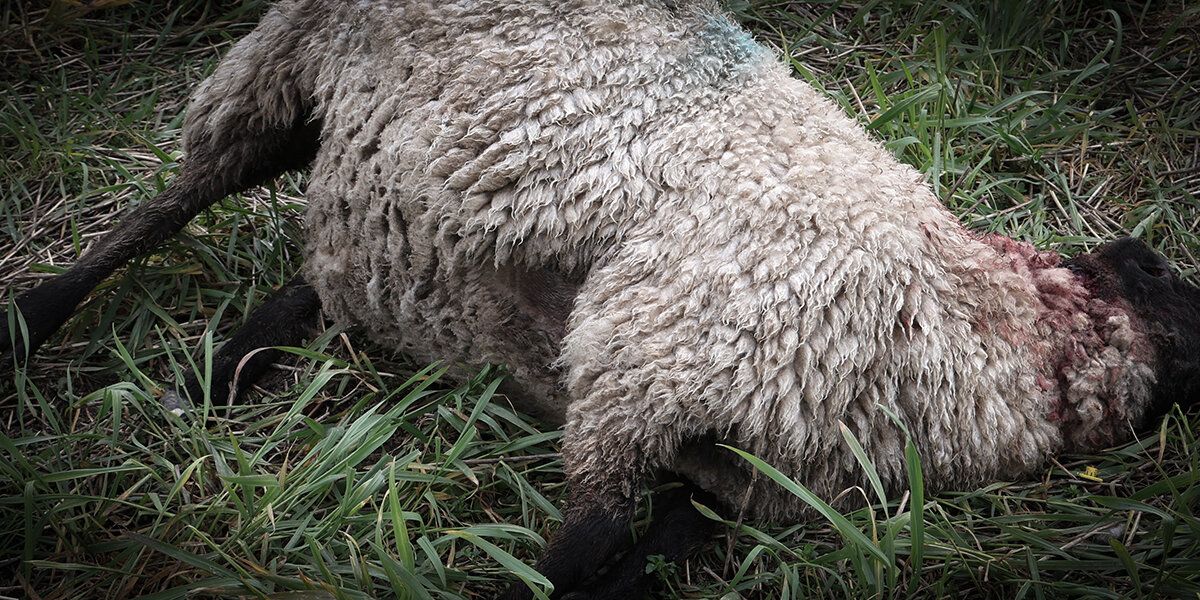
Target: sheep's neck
(1093, 354)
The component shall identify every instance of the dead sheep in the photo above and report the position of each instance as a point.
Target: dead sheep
(670, 242)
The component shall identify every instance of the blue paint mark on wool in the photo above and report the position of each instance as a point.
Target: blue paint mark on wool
(730, 44)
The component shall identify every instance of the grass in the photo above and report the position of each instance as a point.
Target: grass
(352, 473)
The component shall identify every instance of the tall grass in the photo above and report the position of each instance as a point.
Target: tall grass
(353, 474)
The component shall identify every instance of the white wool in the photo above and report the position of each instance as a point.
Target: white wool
(734, 258)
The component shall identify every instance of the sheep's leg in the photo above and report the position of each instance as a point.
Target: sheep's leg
(211, 172)
(589, 536)
(285, 319)
(607, 451)
(677, 532)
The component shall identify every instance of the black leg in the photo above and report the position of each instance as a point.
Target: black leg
(676, 533)
(285, 319)
(590, 535)
(610, 449)
(209, 174)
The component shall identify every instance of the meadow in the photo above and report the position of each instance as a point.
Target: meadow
(351, 472)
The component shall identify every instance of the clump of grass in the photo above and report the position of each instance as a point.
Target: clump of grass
(1105, 528)
(355, 474)
(360, 499)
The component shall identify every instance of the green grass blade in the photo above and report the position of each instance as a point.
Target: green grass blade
(839, 522)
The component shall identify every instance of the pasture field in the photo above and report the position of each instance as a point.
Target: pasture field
(352, 473)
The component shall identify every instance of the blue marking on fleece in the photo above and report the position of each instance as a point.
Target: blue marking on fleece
(731, 44)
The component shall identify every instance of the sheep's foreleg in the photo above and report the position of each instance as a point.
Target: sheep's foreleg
(285, 319)
(211, 172)
(610, 447)
(600, 503)
(589, 536)
(677, 532)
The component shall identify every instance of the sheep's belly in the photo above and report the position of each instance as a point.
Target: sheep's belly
(375, 271)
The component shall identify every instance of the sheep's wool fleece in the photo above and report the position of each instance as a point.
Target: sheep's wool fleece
(669, 241)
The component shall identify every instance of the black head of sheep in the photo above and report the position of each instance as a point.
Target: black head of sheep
(1167, 307)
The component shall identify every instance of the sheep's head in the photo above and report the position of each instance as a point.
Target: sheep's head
(1128, 272)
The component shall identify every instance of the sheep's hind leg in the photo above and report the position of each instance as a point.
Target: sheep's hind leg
(288, 316)
(210, 173)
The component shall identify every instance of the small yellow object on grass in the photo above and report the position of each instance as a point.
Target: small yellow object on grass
(1090, 474)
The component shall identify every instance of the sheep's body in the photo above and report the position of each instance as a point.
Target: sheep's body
(669, 241)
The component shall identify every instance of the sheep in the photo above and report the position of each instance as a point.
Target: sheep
(670, 243)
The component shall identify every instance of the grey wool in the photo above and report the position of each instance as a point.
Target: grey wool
(665, 237)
